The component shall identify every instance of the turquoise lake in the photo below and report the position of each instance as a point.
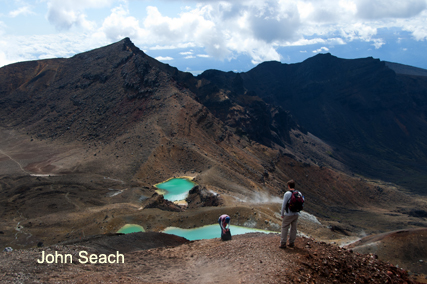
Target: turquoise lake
(131, 228)
(175, 189)
(210, 232)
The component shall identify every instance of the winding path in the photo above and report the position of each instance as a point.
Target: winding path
(70, 201)
(2, 152)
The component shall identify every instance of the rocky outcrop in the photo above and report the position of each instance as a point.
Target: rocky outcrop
(199, 196)
(158, 201)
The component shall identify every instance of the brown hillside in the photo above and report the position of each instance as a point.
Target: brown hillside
(404, 248)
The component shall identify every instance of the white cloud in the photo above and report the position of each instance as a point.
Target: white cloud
(257, 28)
(178, 45)
(378, 43)
(8, 52)
(164, 58)
(25, 10)
(3, 59)
(24, 48)
(64, 14)
(305, 9)
(359, 31)
(416, 26)
(119, 24)
(322, 49)
(313, 41)
(348, 6)
(193, 28)
(222, 30)
(203, 55)
(2, 25)
(274, 20)
(419, 32)
(379, 9)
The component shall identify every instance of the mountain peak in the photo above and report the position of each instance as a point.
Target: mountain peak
(321, 57)
(117, 49)
(128, 44)
(325, 55)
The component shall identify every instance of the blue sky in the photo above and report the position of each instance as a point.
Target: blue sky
(226, 35)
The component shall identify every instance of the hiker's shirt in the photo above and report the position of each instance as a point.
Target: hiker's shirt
(286, 198)
(222, 221)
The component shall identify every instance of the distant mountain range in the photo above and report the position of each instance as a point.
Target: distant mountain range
(372, 113)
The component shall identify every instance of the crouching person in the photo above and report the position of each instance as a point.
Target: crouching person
(224, 223)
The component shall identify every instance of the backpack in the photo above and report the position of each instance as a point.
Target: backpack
(296, 202)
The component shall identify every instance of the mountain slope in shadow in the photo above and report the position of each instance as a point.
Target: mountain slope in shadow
(373, 113)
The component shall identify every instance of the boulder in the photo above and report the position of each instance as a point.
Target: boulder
(199, 196)
(158, 201)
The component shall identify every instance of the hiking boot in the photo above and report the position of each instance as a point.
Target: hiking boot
(282, 246)
(291, 245)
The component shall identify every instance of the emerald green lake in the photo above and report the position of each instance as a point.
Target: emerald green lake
(210, 232)
(131, 228)
(175, 189)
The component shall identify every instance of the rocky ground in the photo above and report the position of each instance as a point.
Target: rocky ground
(249, 258)
(404, 248)
(52, 194)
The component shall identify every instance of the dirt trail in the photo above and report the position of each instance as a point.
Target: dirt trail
(249, 258)
(72, 202)
(12, 159)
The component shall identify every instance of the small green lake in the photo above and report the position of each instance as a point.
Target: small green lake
(175, 189)
(210, 232)
(131, 228)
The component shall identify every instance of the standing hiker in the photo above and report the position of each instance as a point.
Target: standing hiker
(293, 202)
(224, 223)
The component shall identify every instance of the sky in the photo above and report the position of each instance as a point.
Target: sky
(226, 35)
